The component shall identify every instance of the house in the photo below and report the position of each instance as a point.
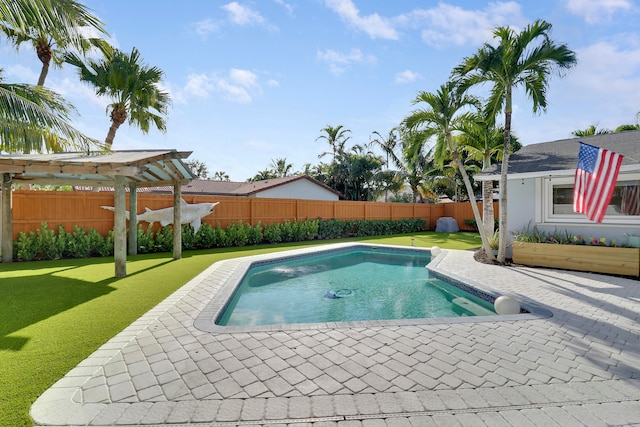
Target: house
(540, 187)
(291, 187)
(301, 187)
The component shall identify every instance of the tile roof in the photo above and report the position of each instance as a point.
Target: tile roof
(226, 188)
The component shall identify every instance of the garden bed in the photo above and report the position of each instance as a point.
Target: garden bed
(597, 259)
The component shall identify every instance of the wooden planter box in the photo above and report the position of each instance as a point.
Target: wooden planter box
(597, 259)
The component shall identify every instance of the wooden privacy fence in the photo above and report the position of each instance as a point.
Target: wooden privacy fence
(71, 208)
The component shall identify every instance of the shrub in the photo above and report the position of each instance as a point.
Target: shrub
(255, 235)
(145, 240)
(164, 239)
(205, 238)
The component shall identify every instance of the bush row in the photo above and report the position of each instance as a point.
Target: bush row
(45, 243)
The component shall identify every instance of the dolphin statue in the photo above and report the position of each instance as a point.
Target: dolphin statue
(190, 214)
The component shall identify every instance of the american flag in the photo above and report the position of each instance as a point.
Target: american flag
(631, 200)
(595, 180)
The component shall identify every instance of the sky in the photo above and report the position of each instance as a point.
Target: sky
(256, 81)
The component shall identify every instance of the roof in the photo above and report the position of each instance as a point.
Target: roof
(560, 157)
(231, 188)
(145, 168)
(223, 188)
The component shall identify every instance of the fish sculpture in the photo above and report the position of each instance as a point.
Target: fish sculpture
(190, 214)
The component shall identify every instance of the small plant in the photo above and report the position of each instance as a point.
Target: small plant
(494, 240)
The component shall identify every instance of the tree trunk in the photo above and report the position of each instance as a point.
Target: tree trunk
(472, 198)
(118, 117)
(45, 53)
(503, 178)
(487, 207)
(487, 199)
(111, 135)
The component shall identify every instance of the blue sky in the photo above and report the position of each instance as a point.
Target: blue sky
(254, 81)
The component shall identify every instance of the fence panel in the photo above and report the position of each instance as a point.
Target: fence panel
(71, 208)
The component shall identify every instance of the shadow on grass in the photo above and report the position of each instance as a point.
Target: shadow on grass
(31, 292)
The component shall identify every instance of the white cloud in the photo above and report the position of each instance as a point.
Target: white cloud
(205, 27)
(446, 24)
(594, 11)
(406, 76)
(273, 83)
(373, 25)
(242, 15)
(338, 61)
(286, 5)
(20, 74)
(238, 86)
(244, 78)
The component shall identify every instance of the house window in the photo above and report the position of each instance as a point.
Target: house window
(624, 207)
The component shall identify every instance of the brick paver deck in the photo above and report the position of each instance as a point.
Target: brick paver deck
(581, 366)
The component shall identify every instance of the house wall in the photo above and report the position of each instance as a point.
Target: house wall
(525, 207)
(301, 189)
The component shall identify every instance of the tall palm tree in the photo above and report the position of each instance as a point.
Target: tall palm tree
(519, 59)
(337, 139)
(59, 26)
(443, 115)
(388, 145)
(34, 118)
(133, 87)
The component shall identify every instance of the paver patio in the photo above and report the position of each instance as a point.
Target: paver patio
(580, 366)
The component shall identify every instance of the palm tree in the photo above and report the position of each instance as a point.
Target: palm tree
(221, 176)
(519, 59)
(626, 127)
(483, 142)
(133, 87)
(388, 146)
(58, 27)
(444, 115)
(590, 131)
(337, 138)
(34, 118)
(281, 168)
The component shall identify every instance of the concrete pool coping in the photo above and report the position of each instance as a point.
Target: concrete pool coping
(206, 319)
(579, 366)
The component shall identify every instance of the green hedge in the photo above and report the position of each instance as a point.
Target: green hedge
(47, 244)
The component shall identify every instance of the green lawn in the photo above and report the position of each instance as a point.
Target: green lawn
(53, 314)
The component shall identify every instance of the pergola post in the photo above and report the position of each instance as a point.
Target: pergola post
(120, 227)
(177, 220)
(7, 220)
(133, 219)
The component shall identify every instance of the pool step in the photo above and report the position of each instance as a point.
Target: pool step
(472, 307)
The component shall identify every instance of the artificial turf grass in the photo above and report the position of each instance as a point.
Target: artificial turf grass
(53, 314)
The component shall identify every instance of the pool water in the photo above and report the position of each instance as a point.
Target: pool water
(345, 286)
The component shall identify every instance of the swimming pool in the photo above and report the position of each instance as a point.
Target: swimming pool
(362, 283)
(330, 300)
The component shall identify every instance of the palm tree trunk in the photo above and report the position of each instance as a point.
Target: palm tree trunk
(43, 74)
(503, 177)
(487, 207)
(472, 197)
(111, 135)
(487, 199)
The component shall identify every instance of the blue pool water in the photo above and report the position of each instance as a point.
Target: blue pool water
(344, 286)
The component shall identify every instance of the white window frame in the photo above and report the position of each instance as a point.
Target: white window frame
(577, 218)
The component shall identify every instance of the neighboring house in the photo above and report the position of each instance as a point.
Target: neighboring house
(301, 187)
(291, 187)
(540, 187)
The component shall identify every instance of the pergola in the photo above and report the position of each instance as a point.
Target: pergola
(117, 169)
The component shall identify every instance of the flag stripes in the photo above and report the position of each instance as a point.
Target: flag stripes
(595, 180)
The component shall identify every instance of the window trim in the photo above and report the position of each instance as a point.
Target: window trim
(547, 215)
